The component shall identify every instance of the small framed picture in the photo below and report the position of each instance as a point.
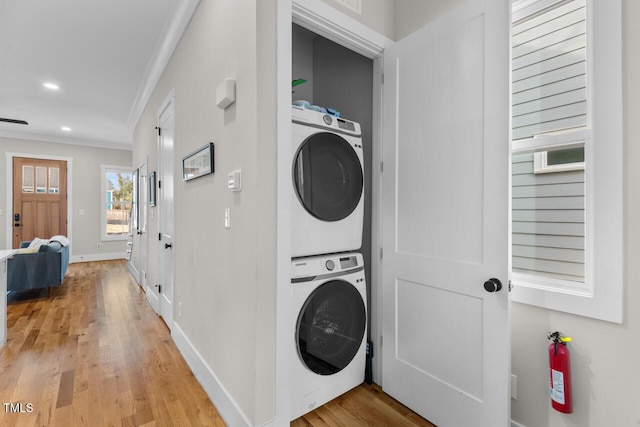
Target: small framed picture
(198, 163)
(152, 188)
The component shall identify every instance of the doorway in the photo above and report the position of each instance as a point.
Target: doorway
(38, 191)
(406, 125)
(341, 79)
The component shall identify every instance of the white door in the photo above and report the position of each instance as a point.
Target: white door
(445, 219)
(143, 195)
(166, 210)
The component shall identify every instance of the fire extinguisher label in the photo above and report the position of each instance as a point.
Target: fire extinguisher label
(557, 386)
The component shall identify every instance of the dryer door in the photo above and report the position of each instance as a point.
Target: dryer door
(327, 176)
(331, 327)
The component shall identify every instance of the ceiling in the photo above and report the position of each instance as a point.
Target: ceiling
(104, 55)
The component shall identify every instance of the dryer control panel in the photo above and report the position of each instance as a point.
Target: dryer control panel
(324, 121)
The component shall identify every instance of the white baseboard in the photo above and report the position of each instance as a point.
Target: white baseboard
(134, 272)
(515, 424)
(97, 257)
(224, 403)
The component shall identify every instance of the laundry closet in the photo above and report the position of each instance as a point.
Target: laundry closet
(332, 97)
(341, 79)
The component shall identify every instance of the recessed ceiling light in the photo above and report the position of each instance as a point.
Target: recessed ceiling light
(66, 128)
(51, 86)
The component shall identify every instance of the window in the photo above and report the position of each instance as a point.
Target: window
(558, 160)
(47, 179)
(117, 201)
(566, 72)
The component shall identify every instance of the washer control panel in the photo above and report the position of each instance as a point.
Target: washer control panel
(319, 265)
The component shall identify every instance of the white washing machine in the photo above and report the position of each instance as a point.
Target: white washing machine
(329, 302)
(328, 184)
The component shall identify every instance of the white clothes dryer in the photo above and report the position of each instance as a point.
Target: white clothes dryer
(329, 299)
(328, 184)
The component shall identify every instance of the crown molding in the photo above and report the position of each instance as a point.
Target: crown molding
(32, 136)
(174, 28)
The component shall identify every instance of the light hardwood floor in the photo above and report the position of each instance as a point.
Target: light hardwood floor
(366, 405)
(95, 354)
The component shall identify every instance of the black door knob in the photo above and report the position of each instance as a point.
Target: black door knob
(492, 285)
(167, 245)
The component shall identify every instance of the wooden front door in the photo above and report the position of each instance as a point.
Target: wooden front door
(39, 199)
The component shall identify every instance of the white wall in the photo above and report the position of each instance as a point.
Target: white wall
(85, 229)
(411, 15)
(604, 356)
(302, 67)
(377, 14)
(224, 278)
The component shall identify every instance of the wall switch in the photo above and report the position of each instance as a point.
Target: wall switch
(234, 181)
(227, 218)
(514, 387)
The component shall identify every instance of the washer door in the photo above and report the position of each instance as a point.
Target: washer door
(327, 176)
(331, 327)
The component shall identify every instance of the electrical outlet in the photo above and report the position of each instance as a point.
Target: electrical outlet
(514, 387)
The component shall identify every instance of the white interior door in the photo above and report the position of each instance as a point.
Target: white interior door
(166, 210)
(144, 224)
(166, 220)
(445, 189)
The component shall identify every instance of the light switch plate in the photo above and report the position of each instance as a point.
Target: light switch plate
(227, 218)
(234, 181)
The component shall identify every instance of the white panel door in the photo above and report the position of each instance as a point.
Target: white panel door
(445, 186)
(144, 224)
(166, 220)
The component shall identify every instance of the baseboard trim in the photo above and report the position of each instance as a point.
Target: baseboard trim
(134, 272)
(515, 424)
(224, 403)
(97, 257)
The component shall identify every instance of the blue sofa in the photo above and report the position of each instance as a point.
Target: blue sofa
(42, 269)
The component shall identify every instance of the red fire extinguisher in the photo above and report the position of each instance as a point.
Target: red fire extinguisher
(560, 373)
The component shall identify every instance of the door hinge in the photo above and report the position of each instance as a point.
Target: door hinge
(159, 130)
(510, 286)
(381, 340)
(382, 78)
(381, 167)
(159, 184)
(381, 253)
(159, 236)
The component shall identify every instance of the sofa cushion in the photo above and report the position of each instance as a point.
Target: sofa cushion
(37, 242)
(51, 247)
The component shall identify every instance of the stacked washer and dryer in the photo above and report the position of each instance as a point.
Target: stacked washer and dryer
(328, 287)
